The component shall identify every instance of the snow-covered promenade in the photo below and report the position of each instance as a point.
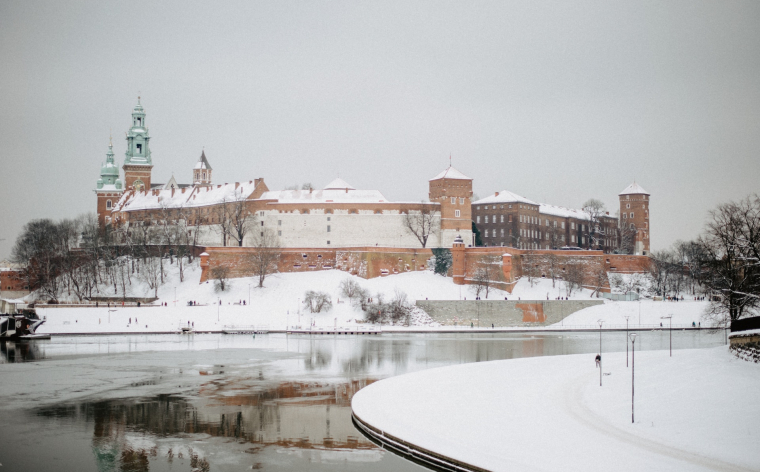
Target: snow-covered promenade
(696, 411)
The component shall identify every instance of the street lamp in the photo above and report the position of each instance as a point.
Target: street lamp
(633, 368)
(626, 337)
(600, 351)
(669, 317)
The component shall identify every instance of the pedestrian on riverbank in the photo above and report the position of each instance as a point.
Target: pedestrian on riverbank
(598, 360)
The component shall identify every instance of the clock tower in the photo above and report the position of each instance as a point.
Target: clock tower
(137, 161)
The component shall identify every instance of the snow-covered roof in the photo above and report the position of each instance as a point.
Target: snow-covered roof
(338, 184)
(193, 197)
(634, 189)
(562, 212)
(325, 196)
(451, 173)
(505, 196)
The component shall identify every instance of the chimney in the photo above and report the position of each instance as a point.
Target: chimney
(608, 213)
(346, 189)
(172, 191)
(310, 189)
(496, 194)
(183, 189)
(237, 184)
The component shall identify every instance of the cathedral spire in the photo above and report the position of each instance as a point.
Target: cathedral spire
(137, 161)
(202, 170)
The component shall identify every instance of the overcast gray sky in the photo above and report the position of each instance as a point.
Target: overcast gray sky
(556, 101)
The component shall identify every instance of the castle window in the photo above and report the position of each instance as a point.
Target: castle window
(328, 242)
(279, 233)
(486, 233)
(502, 220)
(628, 205)
(139, 149)
(328, 218)
(631, 214)
(456, 213)
(486, 218)
(328, 228)
(454, 200)
(510, 206)
(625, 216)
(204, 176)
(262, 223)
(510, 218)
(279, 222)
(461, 201)
(502, 232)
(563, 225)
(633, 226)
(108, 204)
(477, 219)
(197, 176)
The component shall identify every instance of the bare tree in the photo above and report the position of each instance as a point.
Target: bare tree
(485, 274)
(241, 219)
(420, 222)
(731, 252)
(264, 255)
(575, 276)
(317, 302)
(350, 288)
(220, 275)
(152, 275)
(553, 267)
(596, 231)
(626, 237)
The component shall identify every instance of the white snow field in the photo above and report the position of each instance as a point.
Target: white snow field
(696, 411)
(276, 305)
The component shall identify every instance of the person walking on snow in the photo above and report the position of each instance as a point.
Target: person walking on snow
(598, 360)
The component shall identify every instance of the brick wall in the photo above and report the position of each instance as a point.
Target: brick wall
(370, 262)
(364, 262)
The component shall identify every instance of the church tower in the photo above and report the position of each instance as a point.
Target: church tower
(453, 190)
(634, 216)
(108, 188)
(202, 171)
(137, 161)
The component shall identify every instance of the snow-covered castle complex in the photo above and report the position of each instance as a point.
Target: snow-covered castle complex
(339, 216)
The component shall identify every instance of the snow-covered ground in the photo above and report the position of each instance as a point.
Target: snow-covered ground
(694, 411)
(279, 304)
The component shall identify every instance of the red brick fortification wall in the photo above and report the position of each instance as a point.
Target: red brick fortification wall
(366, 262)
(625, 264)
(370, 262)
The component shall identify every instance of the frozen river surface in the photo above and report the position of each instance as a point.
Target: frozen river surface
(227, 402)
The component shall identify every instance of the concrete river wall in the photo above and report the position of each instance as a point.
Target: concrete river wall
(502, 313)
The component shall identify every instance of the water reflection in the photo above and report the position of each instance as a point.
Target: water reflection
(20, 351)
(303, 415)
(279, 402)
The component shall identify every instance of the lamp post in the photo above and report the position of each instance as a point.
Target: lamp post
(626, 337)
(670, 328)
(633, 369)
(600, 351)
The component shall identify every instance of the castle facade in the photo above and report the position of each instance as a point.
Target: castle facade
(339, 215)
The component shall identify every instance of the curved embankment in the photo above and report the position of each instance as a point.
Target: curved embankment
(550, 413)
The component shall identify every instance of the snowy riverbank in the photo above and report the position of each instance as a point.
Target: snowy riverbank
(694, 411)
(278, 304)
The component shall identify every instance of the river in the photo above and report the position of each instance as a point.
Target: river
(233, 402)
